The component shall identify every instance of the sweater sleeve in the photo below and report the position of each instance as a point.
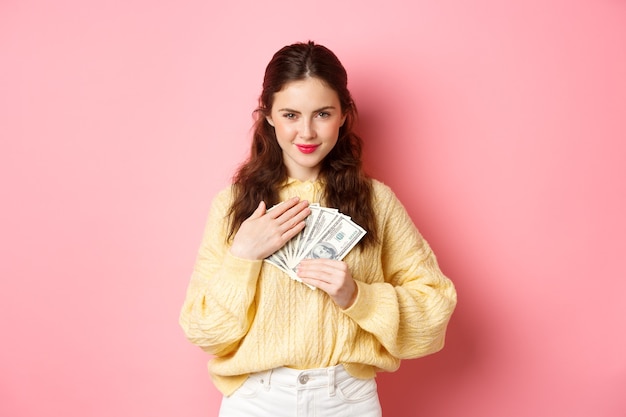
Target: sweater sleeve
(218, 306)
(409, 309)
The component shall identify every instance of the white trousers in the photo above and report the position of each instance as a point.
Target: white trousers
(285, 392)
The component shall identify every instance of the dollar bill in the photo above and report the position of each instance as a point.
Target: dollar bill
(327, 234)
(336, 241)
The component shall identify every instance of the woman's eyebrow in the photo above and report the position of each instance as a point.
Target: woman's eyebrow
(286, 109)
(324, 108)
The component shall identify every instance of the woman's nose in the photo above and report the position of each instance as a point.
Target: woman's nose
(307, 131)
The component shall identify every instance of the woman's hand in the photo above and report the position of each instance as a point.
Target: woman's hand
(263, 233)
(331, 276)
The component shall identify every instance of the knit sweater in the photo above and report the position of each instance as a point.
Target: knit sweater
(250, 316)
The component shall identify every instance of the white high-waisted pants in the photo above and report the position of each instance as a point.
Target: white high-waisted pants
(285, 392)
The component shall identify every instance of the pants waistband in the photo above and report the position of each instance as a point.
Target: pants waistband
(303, 379)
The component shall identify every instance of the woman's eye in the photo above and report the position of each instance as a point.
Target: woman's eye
(323, 114)
(289, 115)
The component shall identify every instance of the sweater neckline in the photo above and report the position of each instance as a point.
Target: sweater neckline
(291, 180)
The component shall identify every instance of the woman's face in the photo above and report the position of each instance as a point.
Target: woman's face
(306, 116)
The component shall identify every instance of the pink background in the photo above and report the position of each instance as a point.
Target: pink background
(500, 124)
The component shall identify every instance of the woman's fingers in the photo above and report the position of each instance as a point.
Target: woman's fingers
(291, 216)
(283, 207)
(264, 232)
(286, 220)
(331, 276)
(260, 210)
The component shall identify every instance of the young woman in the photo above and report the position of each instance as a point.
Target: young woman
(281, 348)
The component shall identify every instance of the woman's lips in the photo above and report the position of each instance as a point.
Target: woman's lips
(307, 148)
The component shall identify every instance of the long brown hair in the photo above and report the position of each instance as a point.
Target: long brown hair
(259, 178)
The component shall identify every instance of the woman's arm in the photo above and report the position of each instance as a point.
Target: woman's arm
(408, 312)
(219, 307)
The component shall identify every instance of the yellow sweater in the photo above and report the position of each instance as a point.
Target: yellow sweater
(252, 317)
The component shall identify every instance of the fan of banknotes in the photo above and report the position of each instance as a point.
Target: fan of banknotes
(327, 234)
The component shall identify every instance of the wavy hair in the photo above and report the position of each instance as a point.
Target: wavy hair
(346, 186)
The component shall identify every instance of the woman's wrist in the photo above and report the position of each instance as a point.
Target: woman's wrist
(241, 254)
(355, 293)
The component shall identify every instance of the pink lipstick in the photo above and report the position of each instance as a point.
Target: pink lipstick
(307, 148)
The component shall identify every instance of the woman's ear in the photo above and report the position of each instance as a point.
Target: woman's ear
(269, 120)
(343, 120)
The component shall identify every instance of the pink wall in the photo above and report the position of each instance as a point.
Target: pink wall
(501, 125)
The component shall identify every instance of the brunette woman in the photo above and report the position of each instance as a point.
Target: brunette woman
(280, 348)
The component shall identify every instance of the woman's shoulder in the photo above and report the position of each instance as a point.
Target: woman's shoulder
(225, 192)
(223, 197)
(382, 192)
(390, 211)
(386, 200)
